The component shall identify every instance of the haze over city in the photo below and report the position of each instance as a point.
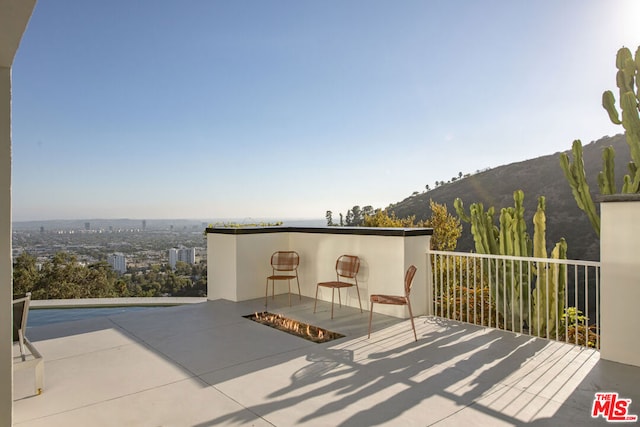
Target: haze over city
(210, 109)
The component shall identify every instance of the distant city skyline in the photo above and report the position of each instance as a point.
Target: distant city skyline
(208, 109)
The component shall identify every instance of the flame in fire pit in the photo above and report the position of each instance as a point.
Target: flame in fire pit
(303, 330)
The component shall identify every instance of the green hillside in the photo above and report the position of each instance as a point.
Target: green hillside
(539, 176)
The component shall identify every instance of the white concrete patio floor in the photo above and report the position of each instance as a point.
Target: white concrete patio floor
(205, 365)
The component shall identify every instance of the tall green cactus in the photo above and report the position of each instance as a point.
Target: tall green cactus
(511, 238)
(627, 80)
(550, 280)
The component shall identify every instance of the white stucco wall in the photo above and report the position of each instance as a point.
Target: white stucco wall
(243, 260)
(221, 256)
(253, 263)
(239, 265)
(620, 281)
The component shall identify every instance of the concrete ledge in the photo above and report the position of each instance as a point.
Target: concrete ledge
(114, 302)
(618, 198)
(356, 231)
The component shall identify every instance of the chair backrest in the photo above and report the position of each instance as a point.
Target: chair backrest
(20, 315)
(408, 279)
(285, 260)
(347, 266)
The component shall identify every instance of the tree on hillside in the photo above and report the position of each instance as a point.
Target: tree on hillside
(354, 216)
(329, 216)
(25, 274)
(446, 227)
(367, 210)
(381, 218)
(63, 278)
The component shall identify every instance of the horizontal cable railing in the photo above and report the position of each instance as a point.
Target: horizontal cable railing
(544, 297)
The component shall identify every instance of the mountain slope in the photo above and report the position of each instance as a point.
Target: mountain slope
(541, 176)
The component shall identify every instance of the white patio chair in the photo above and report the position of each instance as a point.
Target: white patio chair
(32, 358)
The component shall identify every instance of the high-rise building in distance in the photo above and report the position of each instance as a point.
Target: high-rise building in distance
(183, 254)
(118, 262)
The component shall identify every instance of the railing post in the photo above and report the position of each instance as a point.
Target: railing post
(430, 291)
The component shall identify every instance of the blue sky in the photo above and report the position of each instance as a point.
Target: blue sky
(286, 109)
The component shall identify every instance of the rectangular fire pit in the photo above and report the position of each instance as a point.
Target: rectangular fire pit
(293, 327)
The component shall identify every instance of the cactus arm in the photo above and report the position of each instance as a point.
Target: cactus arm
(492, 231)
(505, 239)
(627, 185)
(575, 175)
(609, 104)
(482, 235)
(459, 207)
(631, 124)
(601, 182)
(608, 185)
(520, 248)
(557, 285)
(622, 56)
(539, 230)
(635, 173)
(638, 72)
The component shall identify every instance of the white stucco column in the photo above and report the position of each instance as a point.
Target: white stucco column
(6, 370)
(620, 278)
(14, 16)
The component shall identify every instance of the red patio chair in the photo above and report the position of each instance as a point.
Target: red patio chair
(284, 266)
(347, 267)
(397, 299)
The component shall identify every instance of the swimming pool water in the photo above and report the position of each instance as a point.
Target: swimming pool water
(47, 316)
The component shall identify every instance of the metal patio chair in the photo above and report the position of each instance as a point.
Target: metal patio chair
(33, 358)
(284, 266)
(397, 299)
(347, 267)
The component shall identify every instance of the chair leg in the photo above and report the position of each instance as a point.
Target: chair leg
(266, 294)
(299, 293)
(339, 298)
(289, 282)
(316, 303)
(21, 339)
(359, 302)
(413, 325)
(370, 318)
(333, 292)
(39, 377)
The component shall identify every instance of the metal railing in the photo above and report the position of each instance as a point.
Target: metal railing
(543, 297)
